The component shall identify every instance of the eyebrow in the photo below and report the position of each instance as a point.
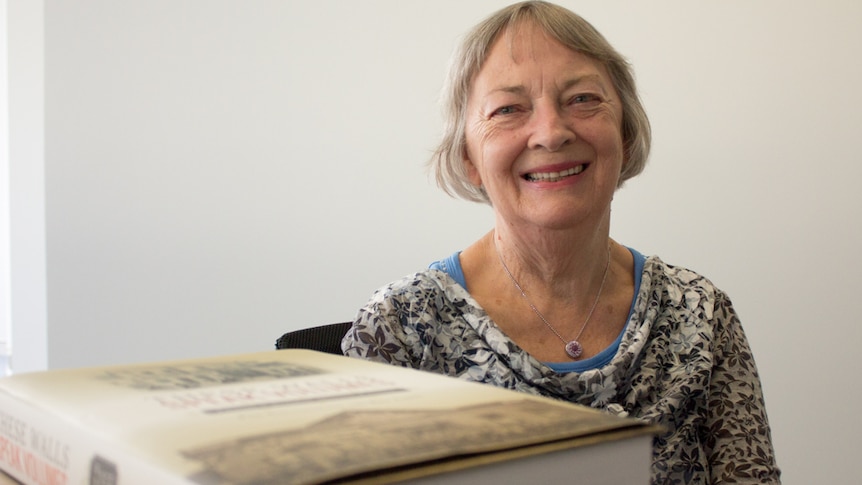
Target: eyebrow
(521, 89)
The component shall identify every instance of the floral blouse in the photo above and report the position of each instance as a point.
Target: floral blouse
(684, 363)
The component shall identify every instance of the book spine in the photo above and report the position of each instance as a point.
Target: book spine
(38, 447)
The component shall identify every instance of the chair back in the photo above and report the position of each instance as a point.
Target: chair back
(324, 338)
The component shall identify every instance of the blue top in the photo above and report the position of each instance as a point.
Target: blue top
(452, 267)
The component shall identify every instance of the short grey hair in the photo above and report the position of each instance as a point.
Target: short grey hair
(571, 30)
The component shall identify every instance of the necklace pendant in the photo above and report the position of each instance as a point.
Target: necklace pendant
(574, 349)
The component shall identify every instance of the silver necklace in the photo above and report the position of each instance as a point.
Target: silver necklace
(573, 347)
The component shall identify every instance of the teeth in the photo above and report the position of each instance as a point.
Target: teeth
(554, 176)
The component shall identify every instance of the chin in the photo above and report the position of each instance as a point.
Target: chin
(571, 218)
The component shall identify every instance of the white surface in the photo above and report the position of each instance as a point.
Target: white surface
(626, 463)
(218, 172)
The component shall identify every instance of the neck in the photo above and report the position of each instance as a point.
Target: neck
(557, 264)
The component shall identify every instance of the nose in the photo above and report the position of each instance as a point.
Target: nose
(550, 130)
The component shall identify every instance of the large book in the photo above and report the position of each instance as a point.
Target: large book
(301, 417)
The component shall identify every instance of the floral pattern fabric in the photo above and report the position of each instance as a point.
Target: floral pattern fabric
(684, 363)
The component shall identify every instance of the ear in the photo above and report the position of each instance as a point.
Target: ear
(470, 169)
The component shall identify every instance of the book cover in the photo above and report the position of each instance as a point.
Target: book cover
(281, 417)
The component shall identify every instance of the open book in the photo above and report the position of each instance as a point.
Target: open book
(299, 416)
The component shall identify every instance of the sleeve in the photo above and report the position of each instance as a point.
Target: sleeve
(738, 438)
(378, 332)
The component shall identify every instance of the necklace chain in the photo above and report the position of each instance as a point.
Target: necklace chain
(573, 347)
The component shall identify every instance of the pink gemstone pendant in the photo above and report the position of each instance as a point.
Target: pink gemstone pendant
(574, 349)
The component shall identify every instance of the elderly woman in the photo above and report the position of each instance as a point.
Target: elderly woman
(544, 124)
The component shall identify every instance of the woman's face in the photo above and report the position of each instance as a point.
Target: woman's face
(543, 133)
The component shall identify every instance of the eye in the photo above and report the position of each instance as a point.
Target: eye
(585, 104)
(585, 98)
(505, 110)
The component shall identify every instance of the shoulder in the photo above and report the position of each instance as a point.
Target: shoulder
(678, 276)
(424, 296)
(405, 316)
(680, 288)
(424, 284)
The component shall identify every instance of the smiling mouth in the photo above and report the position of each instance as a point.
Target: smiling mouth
(554, 176)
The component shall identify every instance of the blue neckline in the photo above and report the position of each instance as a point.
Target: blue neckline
(605, 356)
(452, 267)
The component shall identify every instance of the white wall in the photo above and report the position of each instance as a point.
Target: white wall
(25, 188)
(218, 172)
(5, 232)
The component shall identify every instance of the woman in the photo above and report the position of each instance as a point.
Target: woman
(544, 124)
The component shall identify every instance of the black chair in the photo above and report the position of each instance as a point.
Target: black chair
(324, 338)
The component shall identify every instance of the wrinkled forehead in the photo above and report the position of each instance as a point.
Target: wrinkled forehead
(528, 43)
(518, 41)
